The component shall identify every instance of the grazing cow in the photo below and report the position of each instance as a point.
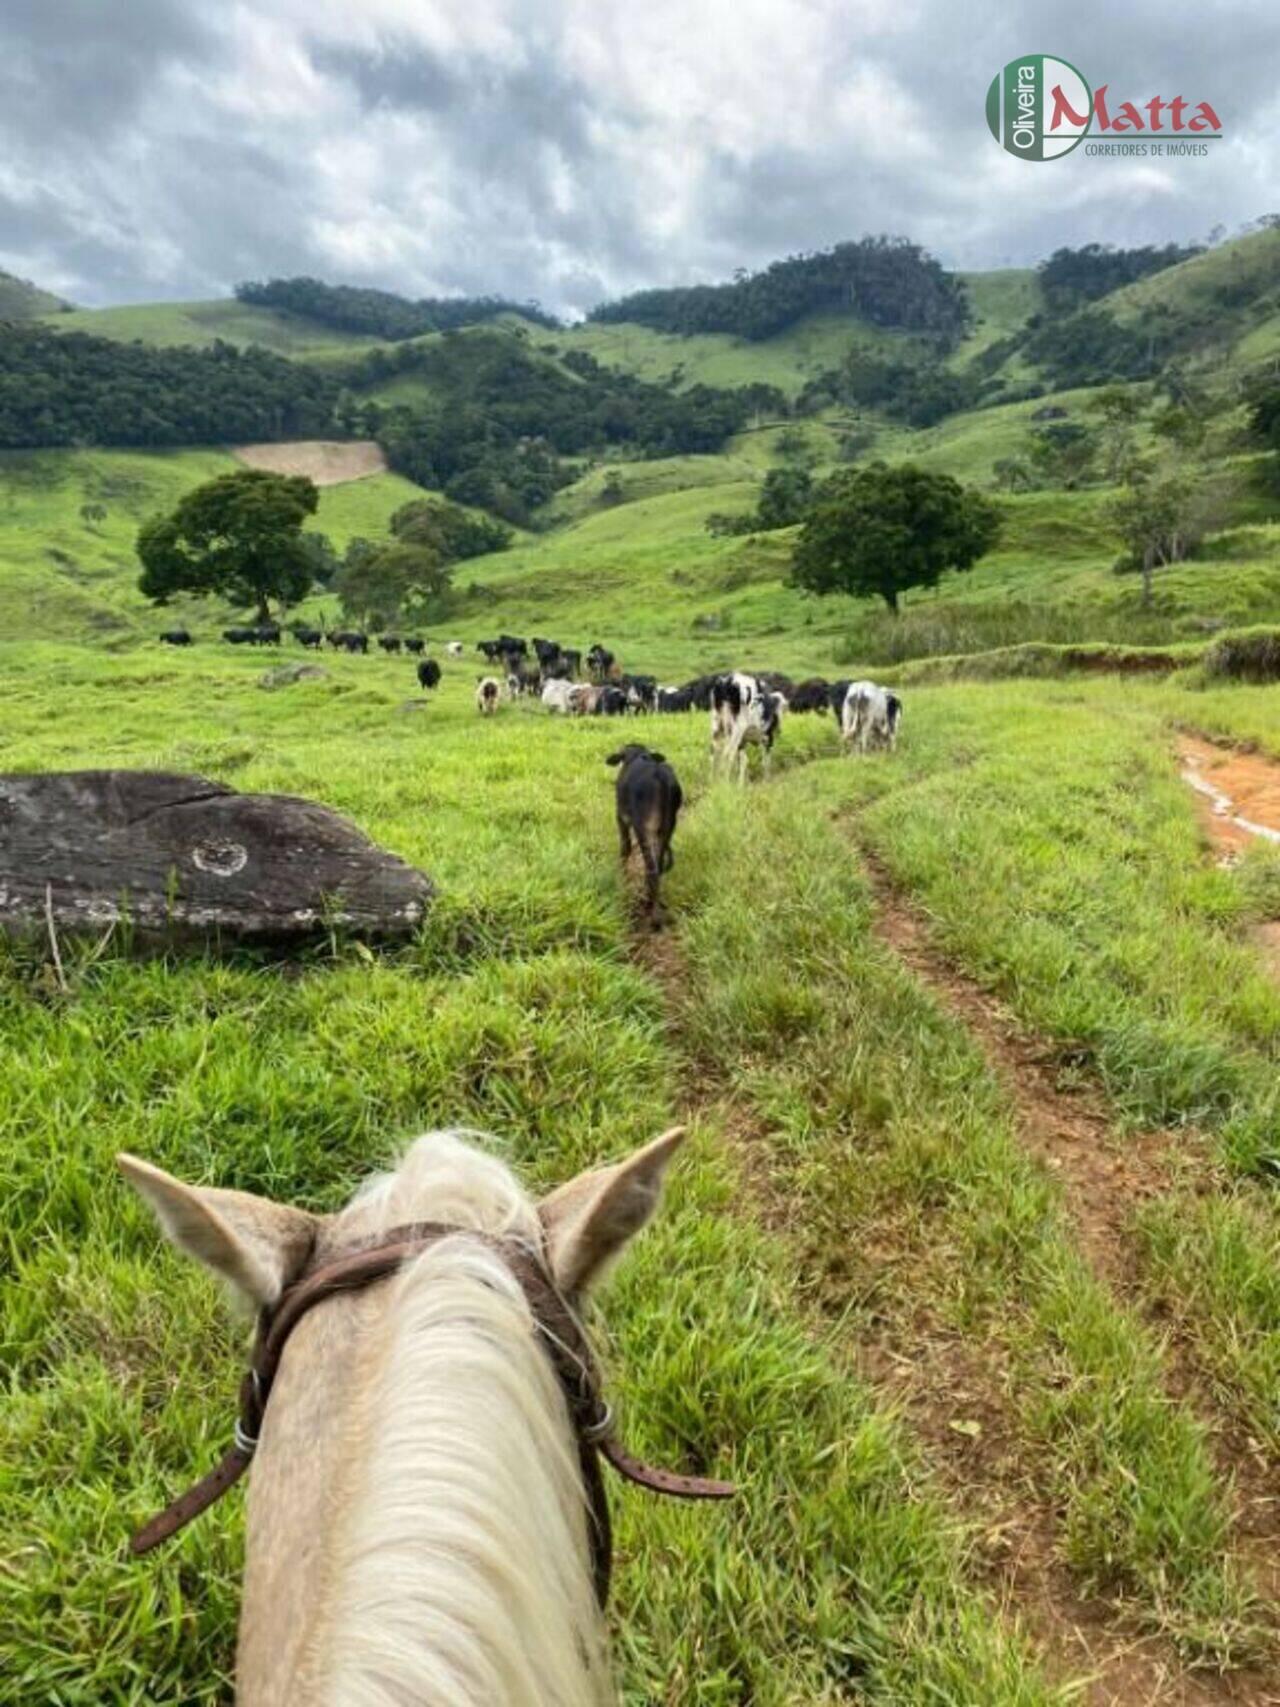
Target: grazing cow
(641, 692)
(488, 690)
(584, 698)
(548, 651)
(732, 696)
(240, 636)
(810, 695)
(390, 642)
(836, 697)
(414, 644)
(307, 636)
(558, 669)
(511, 686)
(648, 799)
(428, 674)
(612, 702)
(454, 648)
(600, 661)
(758, 726)
(489, 649)
(266, 634)
(556, 695)
(573, 658)
(349, 640)
(870, 717)
(175, 637)
(699, 691)
(675, 699)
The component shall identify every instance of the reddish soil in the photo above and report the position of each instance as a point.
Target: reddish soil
(1239, 794)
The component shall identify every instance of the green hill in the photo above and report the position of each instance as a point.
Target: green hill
(200, 323)
(21, 300)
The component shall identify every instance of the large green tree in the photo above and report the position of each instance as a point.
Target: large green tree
(384, 584)
(239, 536)
(877, 531)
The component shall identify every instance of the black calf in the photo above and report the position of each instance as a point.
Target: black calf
(428, 673)
(648, 798)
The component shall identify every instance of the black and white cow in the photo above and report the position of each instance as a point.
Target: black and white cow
(647, 798)
(732, 696)
(488, 692)
(759, 727)
(869, 717)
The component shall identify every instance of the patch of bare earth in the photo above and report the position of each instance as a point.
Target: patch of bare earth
(329, 462)
(1105, 1179)
(1239, 797)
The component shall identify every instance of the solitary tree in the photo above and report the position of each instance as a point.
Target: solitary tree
(239, 536)
(383, 584)
(880, 530)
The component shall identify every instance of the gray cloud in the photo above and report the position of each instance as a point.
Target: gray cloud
(566, 150)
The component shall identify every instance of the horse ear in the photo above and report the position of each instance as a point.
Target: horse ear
(588, 1221)
(256, 1245)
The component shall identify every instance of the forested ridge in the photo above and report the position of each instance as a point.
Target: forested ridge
(70, 388)
(381, 313)
(887, 280)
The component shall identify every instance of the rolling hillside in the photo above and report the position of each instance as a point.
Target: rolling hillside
(21, 300)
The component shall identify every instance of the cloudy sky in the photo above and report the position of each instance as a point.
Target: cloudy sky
(574, 149)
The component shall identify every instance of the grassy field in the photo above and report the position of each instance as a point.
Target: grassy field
(969, 1275)
(859, 1190)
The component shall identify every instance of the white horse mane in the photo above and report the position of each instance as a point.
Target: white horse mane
(459, 1572)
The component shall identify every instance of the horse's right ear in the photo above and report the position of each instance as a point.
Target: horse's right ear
(256, 1245)
(588, 1221)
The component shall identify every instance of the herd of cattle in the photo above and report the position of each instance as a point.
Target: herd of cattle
(746, 712)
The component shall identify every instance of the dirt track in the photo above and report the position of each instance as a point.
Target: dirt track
(329, 462)
(1240, 791)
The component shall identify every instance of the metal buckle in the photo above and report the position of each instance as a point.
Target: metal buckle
(597, 1431)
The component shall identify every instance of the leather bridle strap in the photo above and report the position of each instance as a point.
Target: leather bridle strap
(559, 1331)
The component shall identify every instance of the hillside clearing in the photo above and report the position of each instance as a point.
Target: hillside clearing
(329, 462)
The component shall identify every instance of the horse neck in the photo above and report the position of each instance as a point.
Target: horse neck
(459, 1566)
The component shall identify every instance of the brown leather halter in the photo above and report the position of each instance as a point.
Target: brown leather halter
(559, 1332)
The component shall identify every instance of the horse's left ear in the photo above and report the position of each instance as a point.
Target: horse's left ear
(256, 1245)
(589, 1220)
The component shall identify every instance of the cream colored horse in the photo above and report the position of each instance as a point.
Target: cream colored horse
(417, 1526)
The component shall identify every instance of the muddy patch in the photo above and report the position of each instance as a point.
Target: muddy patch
(1239, 794)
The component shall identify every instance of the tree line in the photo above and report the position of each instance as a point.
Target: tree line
(499, 418)
(887, 280)
(382, 313)
(1072, 277)
(70, 388)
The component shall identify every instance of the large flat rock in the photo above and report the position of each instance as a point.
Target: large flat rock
(180, 856)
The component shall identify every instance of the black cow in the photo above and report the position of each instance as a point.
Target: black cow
(810, 695)
(390, 642)
(573, 658)
(175, 637)
(699, 691)
(648, 798)
(836, 694)
(349, 640)
(428, 674)
(240, 636)
(613, 702)
(306, 636)
(776, 682)
(548, 651)
(414, 644)
(675, 699)
(489, 649)
(599, 662)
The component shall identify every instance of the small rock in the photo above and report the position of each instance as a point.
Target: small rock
(285, 675)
